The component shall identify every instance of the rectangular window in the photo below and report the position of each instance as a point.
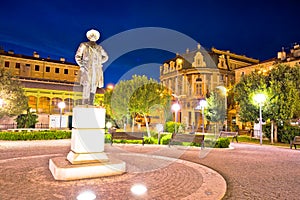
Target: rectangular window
(18, 65)
(27, 65)
(66, 71)
(47, 69)
(57, 70)
(6, 64)
(198, 89)
(37, 68)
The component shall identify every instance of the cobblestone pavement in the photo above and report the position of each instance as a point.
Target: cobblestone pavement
(251, 172)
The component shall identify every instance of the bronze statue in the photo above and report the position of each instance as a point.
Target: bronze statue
(90, 57)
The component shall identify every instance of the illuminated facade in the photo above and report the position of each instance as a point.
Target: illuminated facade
(291, 59)
(46, 82)
(193, 75)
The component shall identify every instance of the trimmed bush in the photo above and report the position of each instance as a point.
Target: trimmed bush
(222, 143)
(107, 138)
(150, 140)
(36, 135)
(165, 139)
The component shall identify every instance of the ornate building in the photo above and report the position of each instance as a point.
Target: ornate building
(192, 75)
(46, 82)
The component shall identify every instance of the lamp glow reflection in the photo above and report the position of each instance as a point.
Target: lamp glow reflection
(260, 99)
(87, 195)
(138, 189)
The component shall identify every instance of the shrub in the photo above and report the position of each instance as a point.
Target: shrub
(150, 140)
(222, 143)
(107, 138)
(170, 126)
(165, 139)
(285, 132)
(38, 135)
(289, 132)
(209, 142)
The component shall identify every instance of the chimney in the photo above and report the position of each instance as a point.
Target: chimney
(35, 54)
(62, 59)
(296, 51)
(187, 50)
(11, 52)
(281, 54)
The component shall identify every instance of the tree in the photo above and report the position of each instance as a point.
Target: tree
(216, 110)
(281, 86)
(137, 96)
(243, 94)
(27, 120)
(12, 95)
(283, 82)
(148, 97)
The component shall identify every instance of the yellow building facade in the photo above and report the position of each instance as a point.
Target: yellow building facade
(46, 82)
(191, 76)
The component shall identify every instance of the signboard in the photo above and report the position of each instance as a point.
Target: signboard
(54, 121)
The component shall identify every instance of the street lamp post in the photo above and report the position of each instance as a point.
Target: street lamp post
(203, 104)
(61, 106)
(175, 108)
(260, 99)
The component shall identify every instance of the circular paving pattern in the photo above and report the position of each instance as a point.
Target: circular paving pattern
(29, 177)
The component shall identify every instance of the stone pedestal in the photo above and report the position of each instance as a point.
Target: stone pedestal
(87, 158)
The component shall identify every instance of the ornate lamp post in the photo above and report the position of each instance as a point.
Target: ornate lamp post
(260, 99)
(61, 106)
(175, 108)
(203, 104)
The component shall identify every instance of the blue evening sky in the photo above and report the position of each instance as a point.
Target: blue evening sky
(257, 29)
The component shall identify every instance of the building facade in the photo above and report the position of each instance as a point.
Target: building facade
(193, 75)
(46, 82)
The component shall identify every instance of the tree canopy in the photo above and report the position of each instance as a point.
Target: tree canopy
(137, 96)
(12, 95)
(216, 111)
(281, 87)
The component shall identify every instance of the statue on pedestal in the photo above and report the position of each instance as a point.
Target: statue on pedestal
(90, 57)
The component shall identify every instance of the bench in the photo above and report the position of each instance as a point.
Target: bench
(127, 136)
(244, 132)
(27, 129)
(227, 133)
(198, 139)
(295, 142)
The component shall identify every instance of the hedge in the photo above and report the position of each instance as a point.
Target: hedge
(36, 135)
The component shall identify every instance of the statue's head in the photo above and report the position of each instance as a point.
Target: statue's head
(93, 35)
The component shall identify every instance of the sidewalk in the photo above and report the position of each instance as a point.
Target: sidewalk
(251, 172)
